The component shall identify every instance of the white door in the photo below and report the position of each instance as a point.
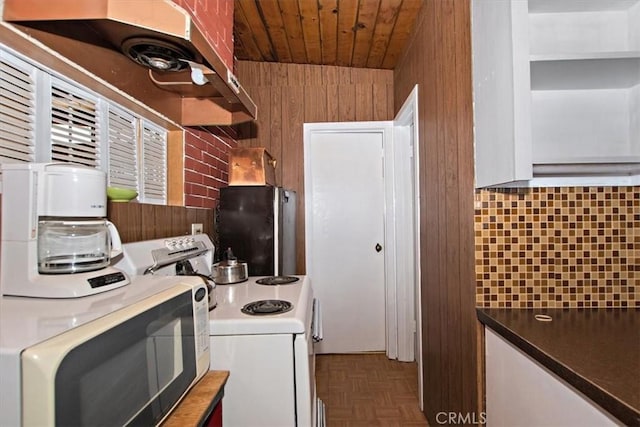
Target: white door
(344, 217)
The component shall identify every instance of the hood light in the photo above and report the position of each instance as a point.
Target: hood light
(159, 64)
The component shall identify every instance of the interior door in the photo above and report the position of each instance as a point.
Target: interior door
(344, 222)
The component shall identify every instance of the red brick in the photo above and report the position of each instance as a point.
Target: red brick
(192, 201)
(203, 168)
(209, 159)
(208, 203)
(191, 164)
(209, 181)
(198, 190)
(192, 177)
(193, 152)
(196, 143)
(202, 6)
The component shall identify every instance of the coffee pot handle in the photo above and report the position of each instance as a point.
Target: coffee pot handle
(116, 243)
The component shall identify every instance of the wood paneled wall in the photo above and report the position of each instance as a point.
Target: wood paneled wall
(289, 95)
(438, 59)
(140, 221)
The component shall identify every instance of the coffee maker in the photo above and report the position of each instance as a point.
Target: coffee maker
(56, 241)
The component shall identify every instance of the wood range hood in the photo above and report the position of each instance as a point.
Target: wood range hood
(116, 40)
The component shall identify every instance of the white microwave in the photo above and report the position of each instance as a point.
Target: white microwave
(128, 361)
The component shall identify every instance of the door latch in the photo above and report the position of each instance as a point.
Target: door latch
(378, 247)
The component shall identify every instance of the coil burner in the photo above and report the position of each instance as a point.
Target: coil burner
(267, 307)
(277, 280)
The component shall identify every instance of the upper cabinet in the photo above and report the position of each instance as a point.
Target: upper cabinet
(157, 51)
(556, 92)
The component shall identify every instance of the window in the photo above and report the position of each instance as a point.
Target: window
(44, 118)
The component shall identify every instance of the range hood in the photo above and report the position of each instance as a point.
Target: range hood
(150, 49)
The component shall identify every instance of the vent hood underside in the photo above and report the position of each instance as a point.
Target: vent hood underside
(92, 34)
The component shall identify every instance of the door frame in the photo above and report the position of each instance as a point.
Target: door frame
(402, 284)
(406, 128)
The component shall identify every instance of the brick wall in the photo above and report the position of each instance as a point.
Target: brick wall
(206, 164)
(215, 19)
(207, 150)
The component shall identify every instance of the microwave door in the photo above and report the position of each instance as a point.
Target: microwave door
(117, 370)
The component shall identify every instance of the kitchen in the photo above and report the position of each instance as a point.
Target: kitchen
(438, 59)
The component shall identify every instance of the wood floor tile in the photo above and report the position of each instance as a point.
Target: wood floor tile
(368, 390)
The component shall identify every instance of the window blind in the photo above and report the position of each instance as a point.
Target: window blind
(74, 125)
(17, 110)
(154, 163)
(123, 150)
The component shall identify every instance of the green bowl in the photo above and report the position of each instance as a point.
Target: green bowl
(117, 194)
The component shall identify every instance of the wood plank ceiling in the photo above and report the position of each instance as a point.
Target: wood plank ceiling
(351, 33)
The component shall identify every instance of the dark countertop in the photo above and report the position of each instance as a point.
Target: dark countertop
(597, 351)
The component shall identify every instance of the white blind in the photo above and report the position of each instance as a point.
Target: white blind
(154, 163)
(17, 110)
(123, 150)
(74, 125)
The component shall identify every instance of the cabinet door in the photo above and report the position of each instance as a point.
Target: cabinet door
(521, 392)
(502, 94)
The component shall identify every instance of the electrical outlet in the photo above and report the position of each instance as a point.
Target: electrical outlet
(196, 228)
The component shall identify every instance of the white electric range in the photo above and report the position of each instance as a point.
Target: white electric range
(270, 356)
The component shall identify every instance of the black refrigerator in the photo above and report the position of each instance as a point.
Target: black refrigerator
(258, 223)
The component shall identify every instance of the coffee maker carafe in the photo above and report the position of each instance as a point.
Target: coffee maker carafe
(56, 241)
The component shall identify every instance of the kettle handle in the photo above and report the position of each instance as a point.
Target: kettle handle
(116, 243)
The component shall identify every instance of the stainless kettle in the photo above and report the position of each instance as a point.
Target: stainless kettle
(229, 270)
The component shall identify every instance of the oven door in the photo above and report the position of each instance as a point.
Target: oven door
(309, 409)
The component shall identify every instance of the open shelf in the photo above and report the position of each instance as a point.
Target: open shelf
(565, 6)
(581, 126)
(584, 67)
(585, 72)
(577, 56)
(566, 76)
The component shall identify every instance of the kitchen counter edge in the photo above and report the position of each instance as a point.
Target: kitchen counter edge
(616, 407)
(199, 402)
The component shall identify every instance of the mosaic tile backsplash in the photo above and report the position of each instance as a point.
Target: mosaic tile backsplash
(558, 247)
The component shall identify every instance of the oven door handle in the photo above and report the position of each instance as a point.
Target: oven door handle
(316, 326)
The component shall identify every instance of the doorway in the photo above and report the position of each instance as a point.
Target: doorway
(397, 298)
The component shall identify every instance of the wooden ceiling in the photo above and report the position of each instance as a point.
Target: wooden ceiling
(352, 33)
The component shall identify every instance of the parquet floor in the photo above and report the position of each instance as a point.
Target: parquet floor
(368, 390)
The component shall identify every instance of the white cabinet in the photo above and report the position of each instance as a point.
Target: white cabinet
(556, 92)
(521, 392)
